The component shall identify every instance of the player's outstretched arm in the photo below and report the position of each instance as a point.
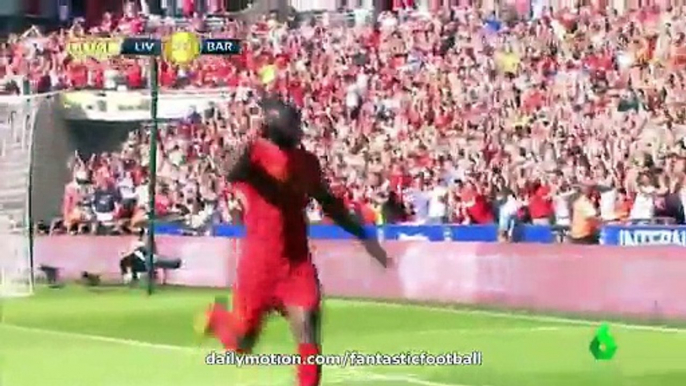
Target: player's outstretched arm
(235, 164)
(335, 208)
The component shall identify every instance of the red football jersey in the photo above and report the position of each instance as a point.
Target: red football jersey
(276, 225)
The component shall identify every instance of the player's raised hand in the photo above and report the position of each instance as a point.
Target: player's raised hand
(376, 251)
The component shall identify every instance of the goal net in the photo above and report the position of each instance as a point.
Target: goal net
(17, 121)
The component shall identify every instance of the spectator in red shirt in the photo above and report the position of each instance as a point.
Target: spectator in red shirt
(78, 76)
(163, 203)
(167, 75)
(541, 205)
(478, 207)
(134, 77)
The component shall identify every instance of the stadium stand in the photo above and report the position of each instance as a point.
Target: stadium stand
(458, 117)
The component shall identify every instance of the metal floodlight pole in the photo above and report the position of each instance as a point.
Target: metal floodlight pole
(152, 186)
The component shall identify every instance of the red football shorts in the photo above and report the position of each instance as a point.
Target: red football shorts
(258, 294)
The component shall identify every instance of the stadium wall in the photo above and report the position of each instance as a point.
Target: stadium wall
(52, 147)
(642, 282)
(11, 7)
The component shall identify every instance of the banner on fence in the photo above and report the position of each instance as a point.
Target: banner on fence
(632, 236)
(122, 106)
(97, 48)
(641, 282)
(465, 233)
(628, 236)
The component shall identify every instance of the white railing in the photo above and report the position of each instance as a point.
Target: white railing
(17, 122)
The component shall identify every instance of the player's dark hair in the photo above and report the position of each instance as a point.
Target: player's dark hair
(282, 123)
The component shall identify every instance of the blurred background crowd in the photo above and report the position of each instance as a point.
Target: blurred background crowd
(572, 119)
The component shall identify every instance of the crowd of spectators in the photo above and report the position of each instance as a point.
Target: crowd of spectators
(574, 118)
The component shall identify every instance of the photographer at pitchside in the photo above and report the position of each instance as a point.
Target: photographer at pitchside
(134, 261)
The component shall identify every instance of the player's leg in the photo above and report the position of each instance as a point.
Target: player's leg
(249, 311)
(235, 332)
(239, 329)
(306, 326)
(300, 297)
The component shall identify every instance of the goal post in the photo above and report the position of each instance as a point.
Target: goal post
(16, 272)
(17, 123)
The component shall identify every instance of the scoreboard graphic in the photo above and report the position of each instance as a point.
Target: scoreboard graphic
(180, 48)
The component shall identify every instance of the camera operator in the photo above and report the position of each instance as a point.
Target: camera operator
(134, 261)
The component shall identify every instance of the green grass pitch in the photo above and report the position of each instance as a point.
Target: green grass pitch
(121, 337)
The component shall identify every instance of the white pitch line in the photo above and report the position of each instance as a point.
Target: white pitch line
(396, 378)
(473, 331)
(511, 315)
(483, 331)
(104, 339)
(409, 380)
(352, 373)
(157, 346)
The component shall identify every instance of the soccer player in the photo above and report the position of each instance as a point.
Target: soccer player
(277, 177)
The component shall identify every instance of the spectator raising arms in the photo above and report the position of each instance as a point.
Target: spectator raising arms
(106, 205)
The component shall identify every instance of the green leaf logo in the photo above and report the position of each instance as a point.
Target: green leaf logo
(603, 346)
